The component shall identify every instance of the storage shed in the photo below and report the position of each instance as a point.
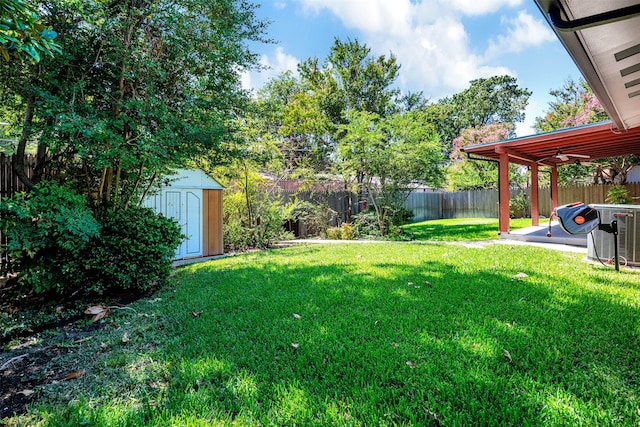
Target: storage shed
(194, 199)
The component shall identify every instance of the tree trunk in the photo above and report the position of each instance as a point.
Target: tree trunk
(17, 163)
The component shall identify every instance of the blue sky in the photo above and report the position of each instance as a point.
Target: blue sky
(440, 44)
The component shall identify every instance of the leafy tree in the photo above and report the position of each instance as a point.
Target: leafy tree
(22, 34)
(385, 155)
(576, 105)
(142, 86)
(350, 79)
(464, 174)
(486, 101)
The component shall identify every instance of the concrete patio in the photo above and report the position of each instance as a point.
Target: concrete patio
(538, 234)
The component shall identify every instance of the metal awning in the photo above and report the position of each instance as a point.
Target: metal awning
(583, 143)
(603, 38)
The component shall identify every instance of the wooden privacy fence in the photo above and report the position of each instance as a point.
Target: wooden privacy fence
(427, 205)
(9, 186)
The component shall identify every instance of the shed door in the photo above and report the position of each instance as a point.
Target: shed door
(185, 206)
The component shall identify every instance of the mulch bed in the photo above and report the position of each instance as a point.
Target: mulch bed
(27, 361)
(23, 372)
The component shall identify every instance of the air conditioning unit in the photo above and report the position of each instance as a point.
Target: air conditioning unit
(601, 245)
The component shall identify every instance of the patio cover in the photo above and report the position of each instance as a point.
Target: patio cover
(603, 39)
(595, 141)
(588, 142)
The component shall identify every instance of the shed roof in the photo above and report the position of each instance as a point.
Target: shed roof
(593, 141)
(193, 178)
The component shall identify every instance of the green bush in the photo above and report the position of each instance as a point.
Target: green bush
(347, 231)
(134, 251)
(333, 233)
(48, 232)
(57, 245)
(251, 218)
(618, 195)
(366, 223)
(344, 232)
(518, 206)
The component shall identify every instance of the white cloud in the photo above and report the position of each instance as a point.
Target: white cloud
(280, 4)
(523, 31)
(274, 65)
(481, 7)
(365, 15)
(430, 41)
(428, 38)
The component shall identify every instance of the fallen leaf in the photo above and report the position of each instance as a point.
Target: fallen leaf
(521, 275)
(410, 284)
(395, 344)
(94, 309)
(125, 337)
(427, 283)
(98, 312)
(297, 316)
(411, 364)
(195, 313)
(26, 392)
(295, 345)
(74, 375)
(104, 345)
(59, 309)
(507, 356)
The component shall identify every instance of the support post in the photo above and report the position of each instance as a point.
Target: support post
(554, 187)
(535, 210)
(504, 193)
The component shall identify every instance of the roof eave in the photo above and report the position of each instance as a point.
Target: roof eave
(571, 40)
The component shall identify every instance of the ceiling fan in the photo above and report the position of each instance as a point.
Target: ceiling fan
(566, 156)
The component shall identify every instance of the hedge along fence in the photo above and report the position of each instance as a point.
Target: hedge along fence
(9, 186)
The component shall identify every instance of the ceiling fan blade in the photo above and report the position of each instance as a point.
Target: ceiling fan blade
(562, 157)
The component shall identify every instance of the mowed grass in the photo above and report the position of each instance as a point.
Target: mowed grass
(458, 229)
(365, 335)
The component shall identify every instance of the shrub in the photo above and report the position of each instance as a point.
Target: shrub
(134, 251)
(48, 231)
(251, 218)
(347, 231)
(366, 223)
(618, 195)
(315, 216)
(518, 206)
(57, 245)
(333, 233)
(344, 232)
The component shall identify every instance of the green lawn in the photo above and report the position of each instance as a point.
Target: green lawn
(362, 335)
(453, 230)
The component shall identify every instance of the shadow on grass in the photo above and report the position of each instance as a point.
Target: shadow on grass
(419, 336)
